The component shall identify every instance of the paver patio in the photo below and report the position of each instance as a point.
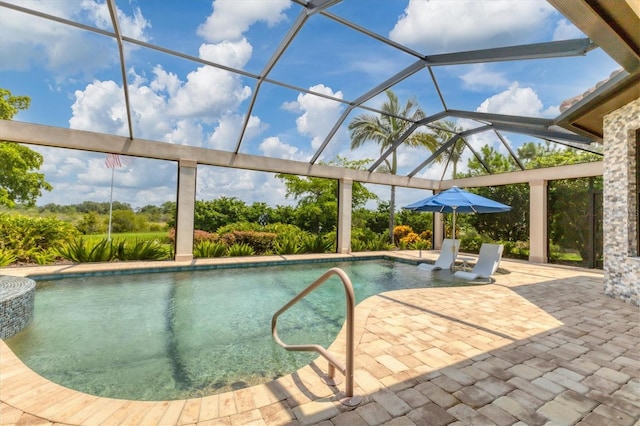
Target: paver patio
(542, 345)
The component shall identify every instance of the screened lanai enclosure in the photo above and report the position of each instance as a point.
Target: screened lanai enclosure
(214, 98)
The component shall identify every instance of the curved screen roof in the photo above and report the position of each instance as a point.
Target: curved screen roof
(283, 79)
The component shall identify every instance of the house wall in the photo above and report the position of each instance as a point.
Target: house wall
(620, 221)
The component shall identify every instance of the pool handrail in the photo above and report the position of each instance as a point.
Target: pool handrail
(334, 363)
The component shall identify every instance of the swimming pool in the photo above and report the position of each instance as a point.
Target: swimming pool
(175, 335)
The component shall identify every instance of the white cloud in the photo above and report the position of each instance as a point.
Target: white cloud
(233, 54)
(565, 30)
(481, 77)
(437, 26)
(66, 51)
(100, 108)
(231, 18)
(166, 108)
(433, 170)
(272, 147)
(318, 114)
(514, 101)
(225, 135)
(246, 185)
(550, 112)
(185, 132)
(165, 82)
(131, 26)
(82, 176)
(208, 94)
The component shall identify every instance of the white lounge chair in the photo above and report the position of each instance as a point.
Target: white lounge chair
(487, 264)
(448, 254)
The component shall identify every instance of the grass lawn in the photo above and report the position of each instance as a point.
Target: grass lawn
(131, 237)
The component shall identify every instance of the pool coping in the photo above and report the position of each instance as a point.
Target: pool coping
(53, 272)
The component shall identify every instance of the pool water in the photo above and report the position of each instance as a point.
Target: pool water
(165, 336)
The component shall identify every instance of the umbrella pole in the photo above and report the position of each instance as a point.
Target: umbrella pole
(453, 225)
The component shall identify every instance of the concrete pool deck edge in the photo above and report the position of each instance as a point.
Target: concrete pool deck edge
(104, 268)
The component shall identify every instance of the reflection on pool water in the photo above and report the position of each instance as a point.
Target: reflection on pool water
(163, 336)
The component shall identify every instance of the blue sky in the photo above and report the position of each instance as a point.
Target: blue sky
(74, 81)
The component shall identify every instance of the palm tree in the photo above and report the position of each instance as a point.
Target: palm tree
(442, 132)
(384, 130)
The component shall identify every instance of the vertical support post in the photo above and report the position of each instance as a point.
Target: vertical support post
(591, 222)
(345, 201)
(185, 209)
(438, 231)
(113, 172)
(538, 232)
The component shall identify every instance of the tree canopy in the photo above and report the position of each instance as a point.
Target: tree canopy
(19, 180)
(317, 207)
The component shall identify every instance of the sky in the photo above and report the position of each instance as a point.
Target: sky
(74, 81)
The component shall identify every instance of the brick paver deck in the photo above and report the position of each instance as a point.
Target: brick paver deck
(542, 345)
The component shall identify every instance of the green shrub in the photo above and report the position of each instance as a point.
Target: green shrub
(26, 236)
(157, 227)
(554, 251)
(91, 224)
(198, 236)
(141, 250)
(378, 243)
(282, 228)
(357, 245)
(6, 257)
(209, 249)
(45, 257)
(239, 226)
(471, 241)
(516, 249)
(420, 245)
(261, 242)
(365, 235)
(287, 245)
(238, 249)
(275, 228)
(316, 244)
(123, 221)
(79, 250)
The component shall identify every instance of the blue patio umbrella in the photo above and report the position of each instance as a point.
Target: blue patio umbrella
(455, 200)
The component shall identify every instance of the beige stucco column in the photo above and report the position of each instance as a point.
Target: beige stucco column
(538, 247)
(345, 195)
(186, 209)
(438, 231)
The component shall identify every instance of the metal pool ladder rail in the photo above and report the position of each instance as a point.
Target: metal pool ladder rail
(334, 363)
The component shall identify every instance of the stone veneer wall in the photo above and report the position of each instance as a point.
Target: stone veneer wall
(17, 296)
(620, 221)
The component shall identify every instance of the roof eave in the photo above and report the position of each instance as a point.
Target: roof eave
(585, 117)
